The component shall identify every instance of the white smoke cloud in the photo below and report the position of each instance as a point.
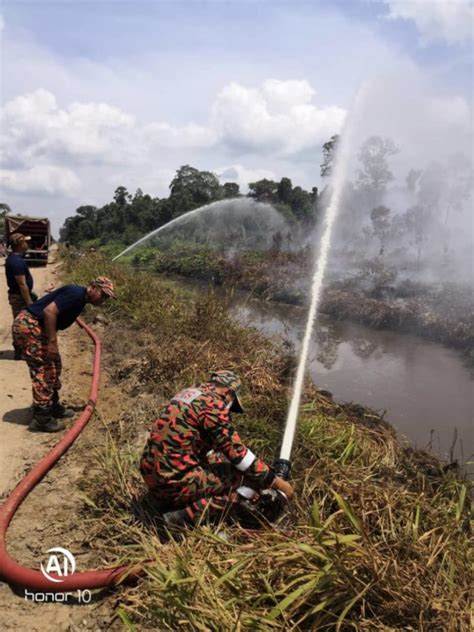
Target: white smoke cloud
(449, 20)
(429, 187)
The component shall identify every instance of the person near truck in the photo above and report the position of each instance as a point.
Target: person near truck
(19, 279)
(194, 462)
(35, 332)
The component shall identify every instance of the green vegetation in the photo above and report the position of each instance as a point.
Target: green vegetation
(377, 538)
(129, 217)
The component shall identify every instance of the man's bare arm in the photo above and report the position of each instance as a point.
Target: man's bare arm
(50, 314)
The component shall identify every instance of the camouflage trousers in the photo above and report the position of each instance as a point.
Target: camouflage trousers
(209, 490)
(17, 303)
(45, 372)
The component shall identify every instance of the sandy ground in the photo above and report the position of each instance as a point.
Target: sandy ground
(15, 388)
(51, 515)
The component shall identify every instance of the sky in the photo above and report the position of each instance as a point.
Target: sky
(100, 94)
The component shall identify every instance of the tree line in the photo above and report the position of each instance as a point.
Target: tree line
(128, 217)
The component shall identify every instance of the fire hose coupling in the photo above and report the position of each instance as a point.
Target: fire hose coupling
(282, 468)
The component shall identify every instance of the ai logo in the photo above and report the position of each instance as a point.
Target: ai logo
(60, 561)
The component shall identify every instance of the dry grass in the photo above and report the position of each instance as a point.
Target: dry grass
(415, 315)
(377, 538)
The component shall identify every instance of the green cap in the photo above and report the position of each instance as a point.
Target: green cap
(232, 381)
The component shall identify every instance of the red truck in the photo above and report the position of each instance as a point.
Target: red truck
(38, 228)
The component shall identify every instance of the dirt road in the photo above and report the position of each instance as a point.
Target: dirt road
(15, 388)
(49, 516)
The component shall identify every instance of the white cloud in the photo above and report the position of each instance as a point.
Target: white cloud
(44, 179)
(449, 20)
(35, 128)
(276, 117)
(191, 135)
(281, 96)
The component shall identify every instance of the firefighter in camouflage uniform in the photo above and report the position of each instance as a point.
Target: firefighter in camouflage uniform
(35, 333)
(194, 462)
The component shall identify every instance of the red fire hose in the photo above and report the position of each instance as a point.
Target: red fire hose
(14, 573)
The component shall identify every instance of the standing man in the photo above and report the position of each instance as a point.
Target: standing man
(179, 464)
(19, 279)
(35, 332)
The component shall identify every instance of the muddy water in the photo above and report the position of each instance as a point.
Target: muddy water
(424, 387)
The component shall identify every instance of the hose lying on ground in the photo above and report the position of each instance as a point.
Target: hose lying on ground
(10, 570)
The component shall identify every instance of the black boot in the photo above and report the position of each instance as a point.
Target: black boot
(43, 422)
(58, 410)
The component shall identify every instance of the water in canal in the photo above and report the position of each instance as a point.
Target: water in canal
(425, 388)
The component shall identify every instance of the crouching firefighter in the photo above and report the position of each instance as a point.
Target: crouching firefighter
(195, 463)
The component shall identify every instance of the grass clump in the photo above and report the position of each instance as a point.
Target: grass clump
(377, 538)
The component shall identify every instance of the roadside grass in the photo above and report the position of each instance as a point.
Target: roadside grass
(377, 538)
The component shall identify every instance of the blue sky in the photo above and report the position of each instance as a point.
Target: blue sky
(100, 94)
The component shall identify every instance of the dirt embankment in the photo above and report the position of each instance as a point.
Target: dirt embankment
(51, 515)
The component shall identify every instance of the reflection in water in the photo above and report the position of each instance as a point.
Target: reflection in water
(423, 386)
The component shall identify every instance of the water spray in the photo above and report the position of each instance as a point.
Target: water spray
(167, 225)
(237, 205)
(282, 466)
(271, 502)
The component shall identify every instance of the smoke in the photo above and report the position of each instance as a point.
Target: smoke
(407, 201)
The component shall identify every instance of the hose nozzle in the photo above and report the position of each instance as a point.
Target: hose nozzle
(282, 468)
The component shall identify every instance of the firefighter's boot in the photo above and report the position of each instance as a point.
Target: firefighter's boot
(44, 422)
(58, 410)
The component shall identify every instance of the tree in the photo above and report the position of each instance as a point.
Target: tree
(88, 212)
(459, 183)
(231, 190)
(138, 195)
(122, 196)
(417, 219)
(301, 203)
(284, 190)
(191, 188)
(263, 190)
(412, 179)
(380, 224)
(374, 174)
(329, 155)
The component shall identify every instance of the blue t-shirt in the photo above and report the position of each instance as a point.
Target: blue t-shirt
(70, 301)
(15, 265)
